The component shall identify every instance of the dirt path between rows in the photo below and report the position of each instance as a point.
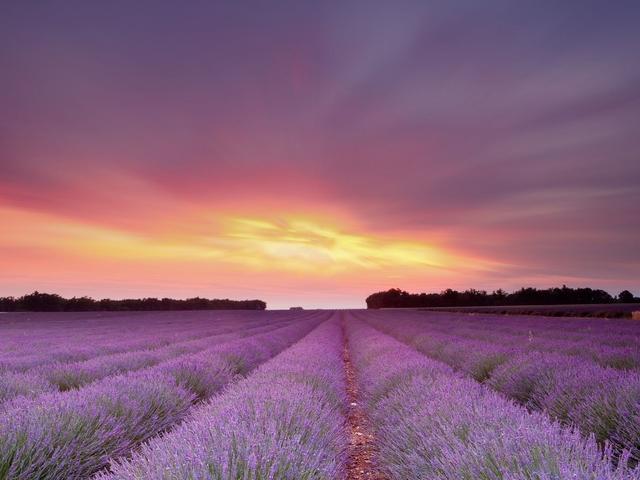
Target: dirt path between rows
(362, 451)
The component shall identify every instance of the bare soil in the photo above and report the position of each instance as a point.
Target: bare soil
(362, 450)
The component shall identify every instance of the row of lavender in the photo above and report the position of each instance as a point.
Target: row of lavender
(431, 422)
(617, 331)
(39, 338)
(73, 434)
(504, 333)
(51, 330)
(60, 376)
(286, 421)
(45, 372)
(481, 347)
(612, 343)
(573, 389)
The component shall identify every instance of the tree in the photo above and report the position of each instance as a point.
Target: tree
(396, 298)
(626, 296)
(47, 302)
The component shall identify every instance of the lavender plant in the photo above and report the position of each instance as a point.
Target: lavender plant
(571, 389)
(72, 434)
(433, 423)
(285, 421)
(65, 376)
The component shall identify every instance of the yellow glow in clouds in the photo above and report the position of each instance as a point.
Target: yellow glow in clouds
(302, 244)
(231, 245)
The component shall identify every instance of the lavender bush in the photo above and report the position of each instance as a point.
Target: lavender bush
(572, 389)
(46, 345)
(285, 421)
(65, 376)
(432, 423)
(72, 434)
(17, 384)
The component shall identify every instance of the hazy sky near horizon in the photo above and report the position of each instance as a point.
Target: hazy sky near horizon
(314, 152)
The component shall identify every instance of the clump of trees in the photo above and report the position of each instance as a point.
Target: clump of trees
(396, 298)
(51, 302)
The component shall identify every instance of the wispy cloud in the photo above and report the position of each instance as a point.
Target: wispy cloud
(319, 147)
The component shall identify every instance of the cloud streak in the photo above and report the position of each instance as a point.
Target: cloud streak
(421, 145)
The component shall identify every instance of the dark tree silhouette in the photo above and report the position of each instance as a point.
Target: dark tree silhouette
(47, 302)
(626, 296)
(396, 298)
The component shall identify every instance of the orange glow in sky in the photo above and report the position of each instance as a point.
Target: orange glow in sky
(289, 257)
(315, 154)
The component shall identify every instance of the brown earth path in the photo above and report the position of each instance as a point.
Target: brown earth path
(362, 450)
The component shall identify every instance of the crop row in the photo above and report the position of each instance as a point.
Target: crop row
(65, 376)
(611, 332)
(601, 401)
(597, 344)
(285, 421)
(589, 347)
(74, 434)
(148, 335)
(432, 423)
(76, 346)
(50, 333)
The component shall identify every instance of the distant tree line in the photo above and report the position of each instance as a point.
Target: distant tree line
(48, 302)
(396, 298)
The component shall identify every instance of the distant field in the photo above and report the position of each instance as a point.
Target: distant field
(610, 310)
(317, 395)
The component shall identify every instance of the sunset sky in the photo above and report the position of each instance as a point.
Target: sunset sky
(311, 153)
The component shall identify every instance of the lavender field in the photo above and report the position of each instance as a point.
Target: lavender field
(318, 395)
